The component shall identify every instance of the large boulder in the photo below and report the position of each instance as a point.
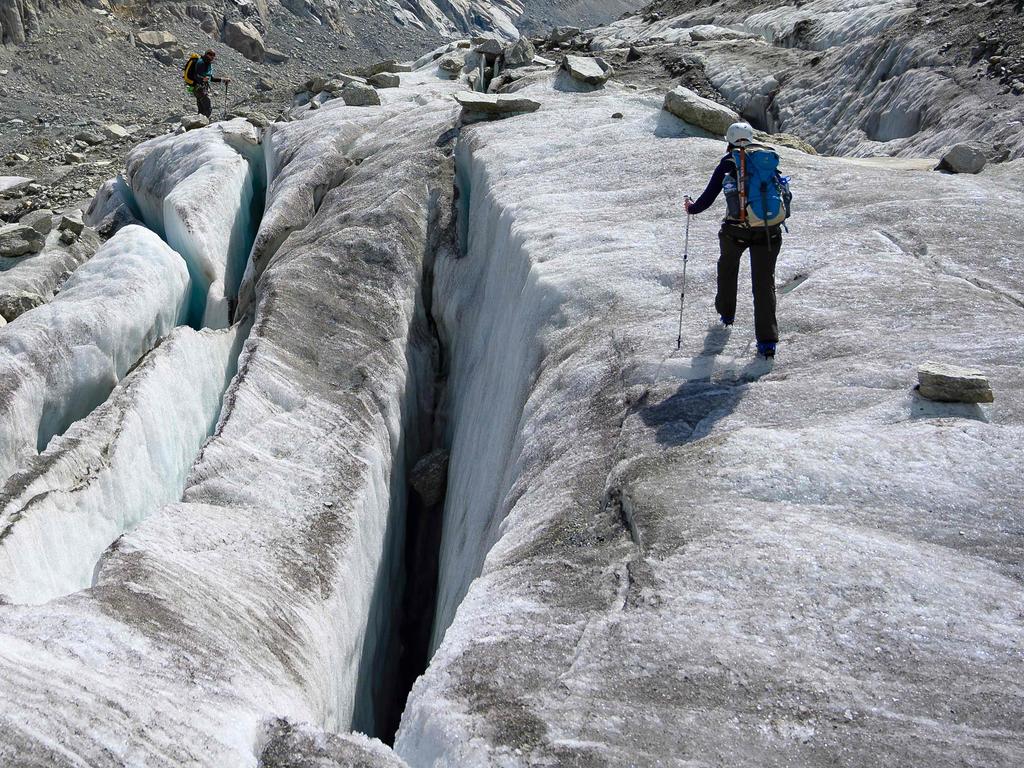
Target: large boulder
(563, 34)
(953, 384)
(13, 305)
(963, 158)
(520, 53)
(20, 240)
(41, 220)
(452, 63)
(384, 80)
(360, 95)
(246, 39)
(587, 69)
(696, 110)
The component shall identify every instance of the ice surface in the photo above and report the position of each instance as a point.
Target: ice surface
(110, 470)
(699, 556)
(42, 274)
(60, 360)
(198, 190)
(268, 591)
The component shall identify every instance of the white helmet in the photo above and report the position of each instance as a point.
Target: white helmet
(740, 134)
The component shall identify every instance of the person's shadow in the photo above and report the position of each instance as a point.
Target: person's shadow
(702, 399)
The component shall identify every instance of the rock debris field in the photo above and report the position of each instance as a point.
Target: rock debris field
(361, 437)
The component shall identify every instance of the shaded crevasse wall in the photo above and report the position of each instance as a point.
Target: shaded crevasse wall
(203, 193)
(113, 468)
(62, 359)
(488, 303)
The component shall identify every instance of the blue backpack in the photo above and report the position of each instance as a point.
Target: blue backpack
(763, 192)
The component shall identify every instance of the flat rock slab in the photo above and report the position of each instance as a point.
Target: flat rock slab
(495, 104)
(587, 69)
(14, 183)
(698, 111)
(963, 158)
(953, 384)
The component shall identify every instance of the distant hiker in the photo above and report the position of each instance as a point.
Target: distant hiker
(757, 200)
(198, 75)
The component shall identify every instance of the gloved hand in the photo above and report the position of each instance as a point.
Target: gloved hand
(687, 203)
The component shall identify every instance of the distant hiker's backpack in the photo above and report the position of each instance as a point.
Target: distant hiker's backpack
(189, 73)
(761, 196)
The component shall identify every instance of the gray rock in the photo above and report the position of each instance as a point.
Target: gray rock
(696, 110)
(208, 24)
(76, 157)
(452, 63)
(164, 57)
(92, 138)
(953, 384)
(429, 477)
(384, 80)
(520, 53)
(264, 84)
(71, 223)
(587, 69)
(115, 131)
(563, 34)
(963, 158)
(484, 106)
(41, 221)
(391, 65)
(359, 95)
(20, 240)
(490, 47)
(191, 122)
(153, 38)
(274, 56)
(246, 39)
(12, 305)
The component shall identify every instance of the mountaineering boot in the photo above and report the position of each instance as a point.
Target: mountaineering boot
(726, 320)
(766, 349)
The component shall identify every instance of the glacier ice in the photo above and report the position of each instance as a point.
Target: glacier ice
(201, 191)
(648, 555)
(60, 360)
(110, 470)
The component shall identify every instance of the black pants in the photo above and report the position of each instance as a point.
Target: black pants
(764, 251)
(203, 101)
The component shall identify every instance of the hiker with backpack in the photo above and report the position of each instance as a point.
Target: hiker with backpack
(198, 75)
(757, 203)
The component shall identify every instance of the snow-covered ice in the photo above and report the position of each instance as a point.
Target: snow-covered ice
(60, 360)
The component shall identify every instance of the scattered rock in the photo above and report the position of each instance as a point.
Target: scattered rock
(490, 47)
(41, 221)
(390, 65)
(208, 24)
(485, 106)
(68, 237)
(452, 63)
(71, 223)
(20, 240)
(384, 80)
(520, 53)
(13, 305)
(264, 84)
(698, 111)
(429, 477)
(314, 105)
(274, 56)
(76, 157)
(360, 95)
(16, 158)
(191, 122)
(952, 384)
(92, 138)
(563, 34)
(153, 38)
(617, 115)
(246, 39)
(963, 158)
(785, 140)
(587, 69)
(164, 57)
(634, 54)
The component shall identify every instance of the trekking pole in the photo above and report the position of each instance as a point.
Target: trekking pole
(224, 112)
(682, 293)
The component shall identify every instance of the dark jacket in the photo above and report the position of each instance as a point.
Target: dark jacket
(203, 72)
(726, 166)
